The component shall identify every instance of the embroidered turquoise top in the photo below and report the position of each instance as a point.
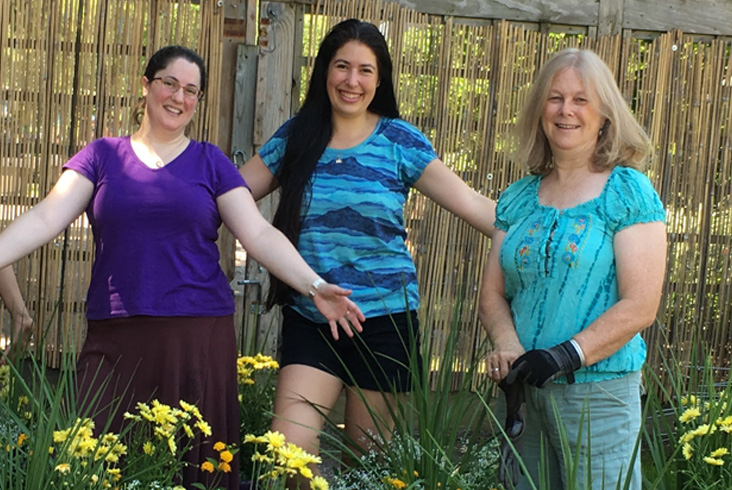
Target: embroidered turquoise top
(559, 264)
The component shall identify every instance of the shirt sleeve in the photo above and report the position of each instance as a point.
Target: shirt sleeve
(273, 150)
(84, 162)
(416, 150)
(632, 199)
(517, 199)
(226, 175)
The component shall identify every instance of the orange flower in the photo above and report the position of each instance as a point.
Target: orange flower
(207, 466)
(226, 456)
(225, 467)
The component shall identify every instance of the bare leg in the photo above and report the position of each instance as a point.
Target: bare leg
(305, 396)
(369, 418)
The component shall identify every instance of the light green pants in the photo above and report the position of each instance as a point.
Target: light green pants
(600, 421)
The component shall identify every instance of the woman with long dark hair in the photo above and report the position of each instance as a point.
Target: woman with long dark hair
(345, 165)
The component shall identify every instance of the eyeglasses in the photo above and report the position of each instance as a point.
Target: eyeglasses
(171, 85)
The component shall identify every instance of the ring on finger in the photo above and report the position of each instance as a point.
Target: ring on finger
(496, 369)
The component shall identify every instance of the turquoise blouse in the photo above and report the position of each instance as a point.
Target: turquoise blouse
(559, 264)
(353, 230)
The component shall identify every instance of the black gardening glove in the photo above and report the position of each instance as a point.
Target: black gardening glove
(508, 465)
(540, 366)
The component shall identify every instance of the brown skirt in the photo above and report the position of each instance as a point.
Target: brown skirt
(169, 359)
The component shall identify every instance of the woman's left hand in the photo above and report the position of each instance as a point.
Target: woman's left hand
(332, 301)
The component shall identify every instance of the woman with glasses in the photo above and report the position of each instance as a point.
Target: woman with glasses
(159, 307)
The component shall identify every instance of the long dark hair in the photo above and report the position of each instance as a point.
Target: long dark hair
(311, 129)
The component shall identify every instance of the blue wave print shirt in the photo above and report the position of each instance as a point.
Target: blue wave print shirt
(353, 228)
(559, 265)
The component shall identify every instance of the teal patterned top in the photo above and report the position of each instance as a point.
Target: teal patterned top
(559, 264)
(353, 228)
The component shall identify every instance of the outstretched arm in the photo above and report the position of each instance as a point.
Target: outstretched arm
(277, 254)
(443, 186)
(44, 221)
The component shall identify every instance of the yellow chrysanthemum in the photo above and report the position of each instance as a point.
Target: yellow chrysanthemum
(203, 426)
(274, 439)
(207, 466)
(718, 453)
(687, 451)
(713, 461)
(148, 448)
(306, 472)
(63, 468)
(251, 438)
(703, 430)
(262, 458)
(689, 415)
(318, 483)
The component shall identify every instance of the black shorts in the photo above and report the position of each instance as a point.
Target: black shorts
(381, 358)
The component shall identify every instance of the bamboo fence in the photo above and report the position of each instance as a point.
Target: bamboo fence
(70, 72)
(463, 85)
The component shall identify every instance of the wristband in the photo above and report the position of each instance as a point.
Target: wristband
(314, 287)
(580, 353)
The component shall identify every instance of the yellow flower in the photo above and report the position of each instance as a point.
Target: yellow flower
(306, 472)
(318, 483)
(687, 451)
(148, 448)
(416, 473)
(226, 456)
(703, 430)
(713, 461)
(225, 467)
(689, 415)
(690, 400)
(722, 451)
(219, 446)
(63, 468)
(396, 483)
(274, 439)
(22, 437)
(255, 439)
(207, 466)
(203, 427)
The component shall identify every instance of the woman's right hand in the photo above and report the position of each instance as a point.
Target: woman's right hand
(499, 360)
(333, 303)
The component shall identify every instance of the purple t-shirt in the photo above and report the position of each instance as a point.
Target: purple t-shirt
(155, 231)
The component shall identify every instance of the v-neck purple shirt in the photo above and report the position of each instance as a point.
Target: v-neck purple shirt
(155, 231)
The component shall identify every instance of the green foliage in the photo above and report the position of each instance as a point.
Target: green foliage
(689, 433)
(51, 444)
(439, 440)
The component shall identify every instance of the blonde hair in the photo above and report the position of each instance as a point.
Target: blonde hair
(622, 140)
